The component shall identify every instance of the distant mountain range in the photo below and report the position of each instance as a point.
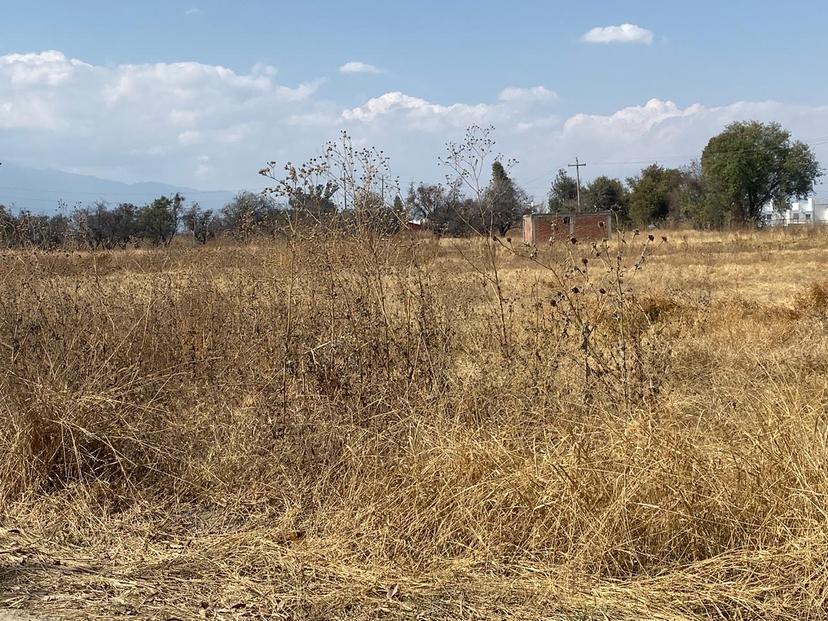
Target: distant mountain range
(40, 190)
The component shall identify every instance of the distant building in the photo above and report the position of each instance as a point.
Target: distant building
(808, 211)
(541, 228)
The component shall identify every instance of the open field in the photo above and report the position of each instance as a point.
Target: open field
(418, 429)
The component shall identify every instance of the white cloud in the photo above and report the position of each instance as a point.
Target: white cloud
(210, 127)
(548, 122)
(634, 119)
(414, 109)
(672, 135)
(534, 94)
(625, 33)
(193, 11)
(617, 144)
(356, 66)
(49, 68)
(144, 121)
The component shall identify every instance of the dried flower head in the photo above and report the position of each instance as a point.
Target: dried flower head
(650, 237)
(573, 239)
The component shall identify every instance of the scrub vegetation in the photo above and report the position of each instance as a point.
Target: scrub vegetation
(411, 428)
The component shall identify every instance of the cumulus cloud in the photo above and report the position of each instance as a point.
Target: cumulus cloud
(145, 121)
(414, 109)
(210, 127)
(635, 120)
(617, 144)
(625, 33)
(356, 66)
(534, 94)
(665, 132)
(49, 68)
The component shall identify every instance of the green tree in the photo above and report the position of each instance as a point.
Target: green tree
(124, 224)
(503, 202)
(159, 220)
(687, 199)
(563, 195)
(607, 194)
(650, 194)
(751, 164)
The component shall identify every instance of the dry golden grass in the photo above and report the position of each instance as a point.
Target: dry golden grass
(357, 429)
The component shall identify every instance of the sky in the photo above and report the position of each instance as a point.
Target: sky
(202, 93)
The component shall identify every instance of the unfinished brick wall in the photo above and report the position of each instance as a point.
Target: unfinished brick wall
(592, 226)
(540, 228)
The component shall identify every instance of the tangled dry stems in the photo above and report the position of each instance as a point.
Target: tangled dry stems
(340, 428)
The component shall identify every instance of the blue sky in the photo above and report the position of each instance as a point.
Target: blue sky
(99, 88)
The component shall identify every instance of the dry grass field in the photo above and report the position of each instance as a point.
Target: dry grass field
(418, 429)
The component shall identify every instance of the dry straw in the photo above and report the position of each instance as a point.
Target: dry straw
(358, 427)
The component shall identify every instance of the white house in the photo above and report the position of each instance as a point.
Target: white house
(808, 211)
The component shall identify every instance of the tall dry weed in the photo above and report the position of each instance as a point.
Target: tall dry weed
(356, 405)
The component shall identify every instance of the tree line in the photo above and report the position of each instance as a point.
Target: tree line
(746, 167)
(104, 226)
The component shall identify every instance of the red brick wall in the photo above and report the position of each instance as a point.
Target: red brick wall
(591, 226)
(540, 228)
(554, 227)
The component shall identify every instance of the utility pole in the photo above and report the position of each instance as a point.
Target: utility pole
(578, 165)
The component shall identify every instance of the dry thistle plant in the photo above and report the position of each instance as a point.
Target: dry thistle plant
(594, 303)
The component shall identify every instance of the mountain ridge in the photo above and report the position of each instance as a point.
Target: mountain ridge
(42, 190)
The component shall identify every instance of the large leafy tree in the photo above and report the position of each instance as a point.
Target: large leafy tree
(159, 220)
(607, 194)
(563, 195)
(650, 194)
(751, 164)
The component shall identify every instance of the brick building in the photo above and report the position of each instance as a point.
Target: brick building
(540, 228)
